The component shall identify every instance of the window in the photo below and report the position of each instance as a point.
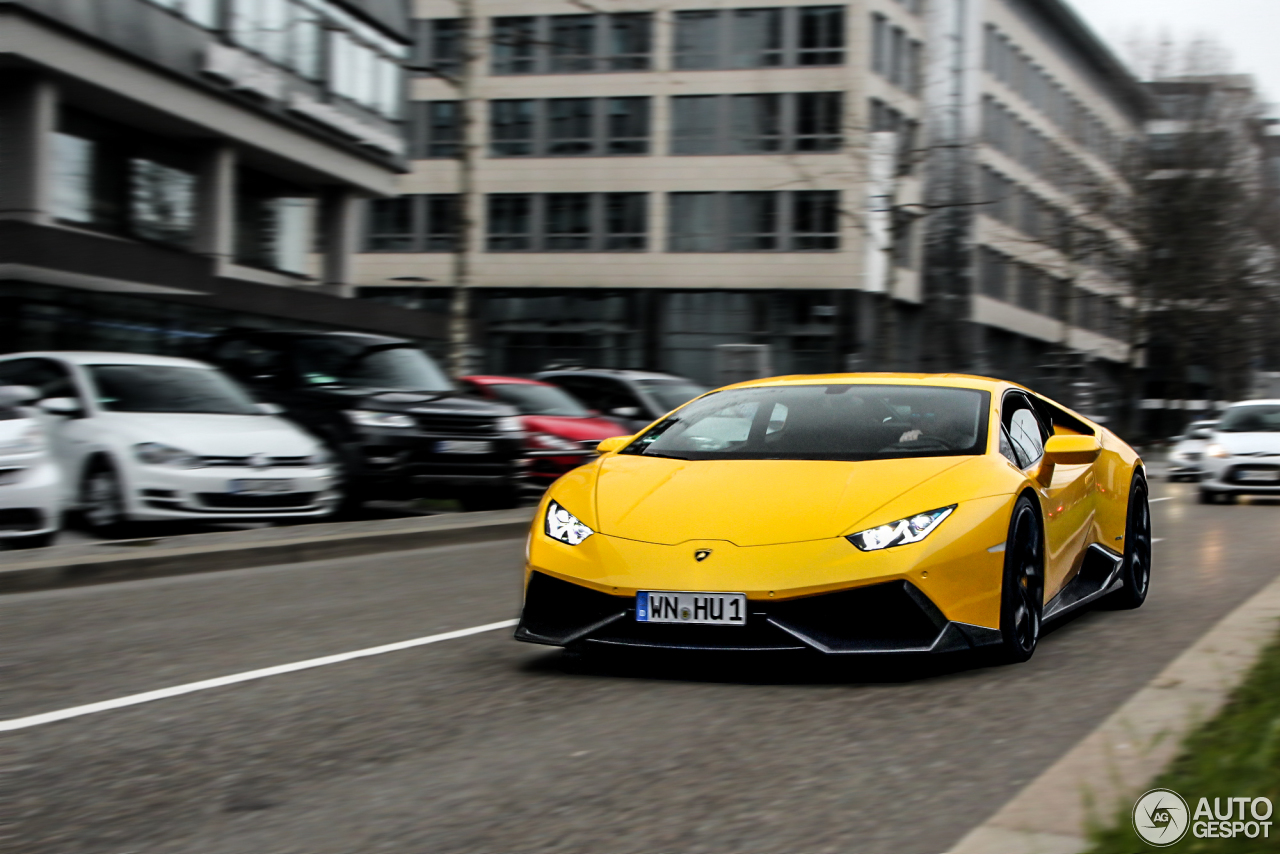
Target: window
(49, 378)
(116, 179)
(284, 31)
(364, 76)
(437, 44)
(202, 12)
(573, 44)
(754, 221)
(435, 128)
(413, 223)
(273, 223)
(568, 222)
(757, 124)
(992, 273)
(886, 118)
(895, 56)
(759, 38)
(569, 127)
(1026, 433)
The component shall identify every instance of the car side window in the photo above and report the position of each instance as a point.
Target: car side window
(1025, 432)
(248, 361)
(599, 393)
(44, 375)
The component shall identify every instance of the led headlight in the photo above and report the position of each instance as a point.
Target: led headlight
(1215, 450)
(29, 441)
(156, 454)
(372, 418)
(564, 526)
(910, 530)
(546, 441)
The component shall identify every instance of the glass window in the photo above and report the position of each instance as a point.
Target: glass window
(446, 44)
(695, 124)
(334, 360)
(391, 225)
(819, 116)
(693, 222)
(445, 118)
(628, 126)
(630, 41)
(570, 125)
(815, 219)
(530, 399)
(753, 221)
(669, 394)
(568, 221)
(162, 202)
(821, 36)
(273, 223)
(73, 175)
(413, 223)
(626, 221)
(168, 388)
(514, 39)
(1251, 418)
(510, 222)
(511, 132)
(1024, 428)
(757, 38)
(697, 42)
(362, 75)
(573, 42)
(823, 422)
(442, 222)
(880, 44)
(756, 124)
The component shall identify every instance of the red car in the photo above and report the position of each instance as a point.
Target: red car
(553, 419)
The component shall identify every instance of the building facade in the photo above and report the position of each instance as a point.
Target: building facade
(657, 179)
(172, 167)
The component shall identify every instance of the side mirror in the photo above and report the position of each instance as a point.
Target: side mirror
(18, 395)
(625, 411)
(67, 407)
(1072, 450)
(615, 443)
(1201, 433)
(270, 409)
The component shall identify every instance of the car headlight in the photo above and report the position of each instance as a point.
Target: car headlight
(913, 529)
(1215, 450)
(564, 526)
(554, 443)
(156, 454)
(29, 441)
(373, 418)
(510, 424)
(1178, 455)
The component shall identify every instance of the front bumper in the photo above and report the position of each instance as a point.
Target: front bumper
(888, 618)
(399, 465)
(1231, 475)
(29, 502)
(156, 493)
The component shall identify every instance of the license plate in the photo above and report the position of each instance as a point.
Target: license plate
(463, 446)
(1258, 476)
(273, 486)
(712, 609)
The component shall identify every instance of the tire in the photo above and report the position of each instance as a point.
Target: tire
(1207, 497)
(498, 498)
(38, 541)
(102, 506)
(1022, 589)
(1136, 570)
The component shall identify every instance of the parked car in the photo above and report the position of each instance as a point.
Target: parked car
(152, 438)
(1184, 456)
(396, 424)
(30, 503)
(1242, 456)
(634, 398)
(560, 433)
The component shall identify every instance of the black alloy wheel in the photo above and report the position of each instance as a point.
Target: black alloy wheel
(1136, 570)
(102, 501)
(1022, 593)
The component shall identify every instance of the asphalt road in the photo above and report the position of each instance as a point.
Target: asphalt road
(486, 746)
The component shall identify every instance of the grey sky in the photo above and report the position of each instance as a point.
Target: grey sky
(1248, 29)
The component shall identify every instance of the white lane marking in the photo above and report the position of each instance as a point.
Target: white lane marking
(204, 685)
(1154, 500)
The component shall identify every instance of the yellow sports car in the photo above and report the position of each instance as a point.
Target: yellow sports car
(842, 514)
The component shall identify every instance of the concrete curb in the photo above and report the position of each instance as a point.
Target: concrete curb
(98, 563)
(1114, 763)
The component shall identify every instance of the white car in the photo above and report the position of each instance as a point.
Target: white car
(30, 485)
(150, 438)
(1242, 456)
(1184, 456)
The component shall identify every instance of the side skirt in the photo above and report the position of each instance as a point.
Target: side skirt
(1098, 576)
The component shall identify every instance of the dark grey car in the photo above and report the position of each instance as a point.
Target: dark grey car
(632, 398)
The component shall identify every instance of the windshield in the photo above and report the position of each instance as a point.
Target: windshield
(823, 422)
(1257, 418)
(670, 393)
(529, 399)
(351, 362)
(167, 388)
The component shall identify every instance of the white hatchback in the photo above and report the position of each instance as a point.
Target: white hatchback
(30, 499)
(1242, 456)
(149, 438)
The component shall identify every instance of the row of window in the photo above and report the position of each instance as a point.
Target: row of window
(895, 56)
(1004, 130)
(794, 221)
(1027, 286)
(700, 124)
(1011, 66)
(704, 39)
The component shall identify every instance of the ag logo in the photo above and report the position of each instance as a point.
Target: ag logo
(1161, 817)
(701, 554)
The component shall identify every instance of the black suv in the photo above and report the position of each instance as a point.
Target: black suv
(398, 426)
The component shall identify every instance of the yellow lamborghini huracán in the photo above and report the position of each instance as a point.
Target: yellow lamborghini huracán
(841, 514)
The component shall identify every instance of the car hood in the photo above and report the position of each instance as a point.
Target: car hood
(211, 435)
(1249, 443)
(751, 502)
(578, 429)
